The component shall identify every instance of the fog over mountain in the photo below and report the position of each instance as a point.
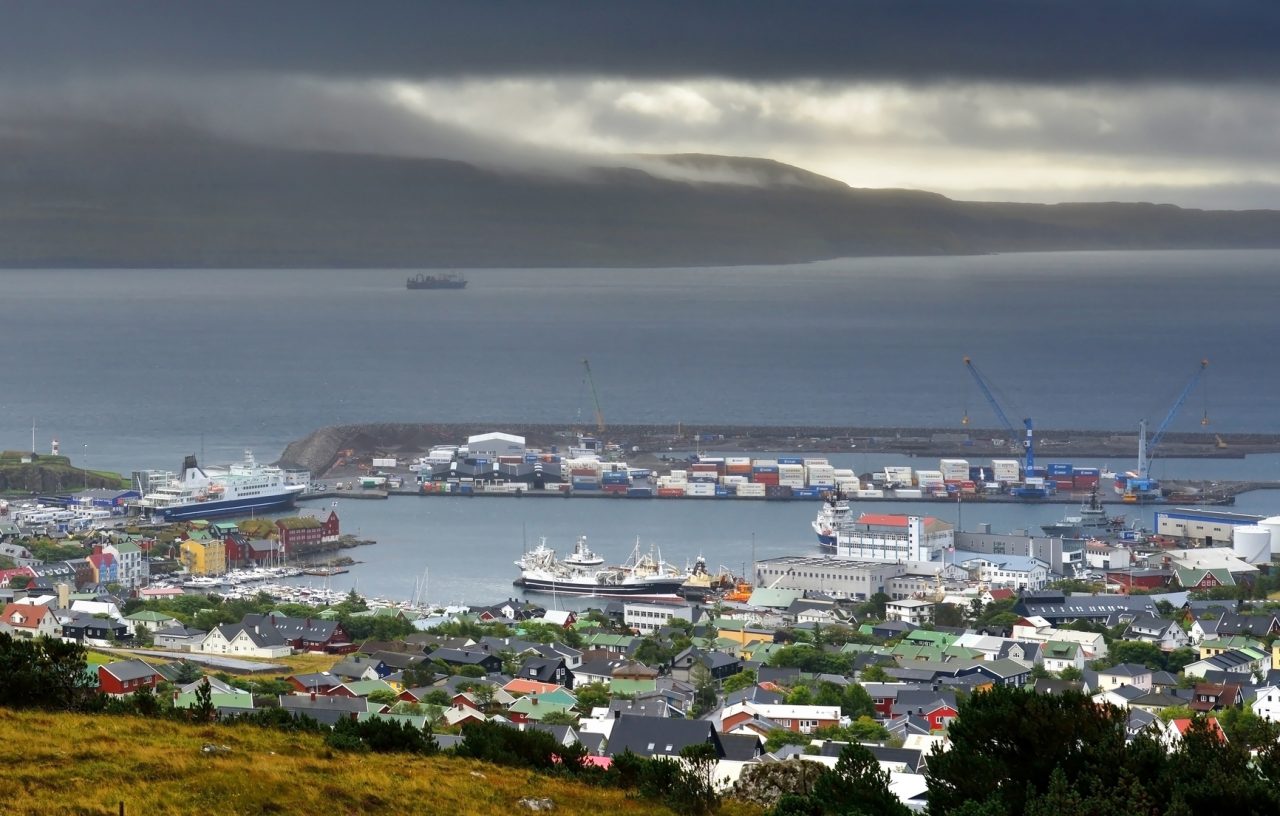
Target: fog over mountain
(459, 133)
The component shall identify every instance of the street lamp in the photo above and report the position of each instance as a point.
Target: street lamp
(86, 466)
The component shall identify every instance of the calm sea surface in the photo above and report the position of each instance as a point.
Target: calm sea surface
(135, 368)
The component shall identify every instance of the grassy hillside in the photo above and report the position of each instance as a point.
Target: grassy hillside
(66, 763)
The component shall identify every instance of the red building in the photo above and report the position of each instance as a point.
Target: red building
(307, 532)
(1140, 579)
(127, 676)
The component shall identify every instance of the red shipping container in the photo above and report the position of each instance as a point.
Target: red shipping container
(619, 490)
(765, 478)
(1064, 484)
(582, 472)
(670, 492)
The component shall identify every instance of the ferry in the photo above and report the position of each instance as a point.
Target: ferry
(448, 281)
(833, 515)
(239, 489)
(643, 574)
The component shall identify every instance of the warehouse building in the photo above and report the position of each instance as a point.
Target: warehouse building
(1200, 525)
(1063, 556)
(857, 580)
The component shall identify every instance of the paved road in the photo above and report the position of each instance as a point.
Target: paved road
(213, 661)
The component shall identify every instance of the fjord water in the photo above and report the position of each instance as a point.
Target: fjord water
(135, 368)
(141, 364)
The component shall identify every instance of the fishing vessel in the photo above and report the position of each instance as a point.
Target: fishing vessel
(643, 574)
(582, 556)
(447, 281)
(702, 584)
(239, 489)
(833, 515)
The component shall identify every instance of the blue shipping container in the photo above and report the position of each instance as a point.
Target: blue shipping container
(640, 492)
(1059, 469)
(804, 492)
(790, 460)
(721, 492)
(1086, 472)
(585, 486)
(764, 469)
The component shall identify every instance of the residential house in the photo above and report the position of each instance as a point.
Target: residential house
(1215, 696)
(1226, 643)
(1001, 672)
(314, 682)
(325, 710)
(180, 638)
(86, 628)
(1258, 626)
(1266, 703)
(1012, 571)
(151, 621)
(660, 737)
(546, 670)
(27, 621)
(1164, 633)
(1175, 729)
(299, 535)
(718, 664)
(884, 695)
(127, 676)
(359, 688)
(487, 661)
(305, 634)
(1057, 656)
(937, 708)
(1246, 662)
(801, 719)
(240, 640)
(1125, 674)
(910, 610)
(104, 567)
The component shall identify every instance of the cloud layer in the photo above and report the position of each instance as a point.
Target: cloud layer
(1008, 99)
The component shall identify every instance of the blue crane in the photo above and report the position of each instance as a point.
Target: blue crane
(1146, 450)
(1028, 442)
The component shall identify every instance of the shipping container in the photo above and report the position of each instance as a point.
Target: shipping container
(1086, 472)
(700, 489)
(777, 492)
(1064, 484)
(750, 491)
(872, 494)
(671, 492)
(790, 460)
(902, 493)
(805, 492)
(640, 492)
(615, 489)
(1058, 469)
(765, 478)
(723, 492)
(586, 486)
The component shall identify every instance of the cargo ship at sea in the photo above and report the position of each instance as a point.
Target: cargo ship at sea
(643, 574)
(239, 489)
(447, 281)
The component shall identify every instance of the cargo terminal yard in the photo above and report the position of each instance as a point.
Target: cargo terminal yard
(406, 459)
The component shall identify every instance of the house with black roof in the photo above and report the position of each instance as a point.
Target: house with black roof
(469, 657)
(322, 709)
(660, 736)
(719, 664)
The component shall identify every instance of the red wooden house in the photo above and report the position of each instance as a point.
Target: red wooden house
(127, 676)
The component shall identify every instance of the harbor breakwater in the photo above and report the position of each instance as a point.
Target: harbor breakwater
(332, 446)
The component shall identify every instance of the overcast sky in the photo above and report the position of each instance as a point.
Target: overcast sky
(1036, 100)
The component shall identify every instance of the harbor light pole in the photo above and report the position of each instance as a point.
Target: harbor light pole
(86, 466)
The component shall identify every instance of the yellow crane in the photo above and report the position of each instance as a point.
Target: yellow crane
(586, 366)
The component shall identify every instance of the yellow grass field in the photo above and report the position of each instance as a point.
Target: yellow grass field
(88, 765)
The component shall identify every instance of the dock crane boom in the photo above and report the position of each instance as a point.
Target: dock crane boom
(1028, 442)
(594, 396)
(1146, 450)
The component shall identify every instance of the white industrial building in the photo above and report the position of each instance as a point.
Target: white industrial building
(495, 444)
(1200, 525)
(647, 617)
(895, 538)
(857, 580)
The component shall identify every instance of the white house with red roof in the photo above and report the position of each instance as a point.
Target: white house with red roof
(29, 621)
(894, 538)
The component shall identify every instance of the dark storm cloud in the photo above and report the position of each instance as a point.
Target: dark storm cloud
(1056, 41)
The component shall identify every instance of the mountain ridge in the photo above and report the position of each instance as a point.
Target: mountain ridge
(178, 199)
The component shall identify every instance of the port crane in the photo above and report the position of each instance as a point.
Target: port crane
(586, 366)
(1143, 484)
(1028, 441)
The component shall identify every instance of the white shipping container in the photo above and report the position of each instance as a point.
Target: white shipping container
(700, 489)
(734, 480)
(381, 463)
(909, 493)
(751, 491)
(765, 463)
(871, 494)
(811, 462)
(897, 473)
(793, 483)
(791, 470)
(843, 473)
(928, 478)
(738, 460)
